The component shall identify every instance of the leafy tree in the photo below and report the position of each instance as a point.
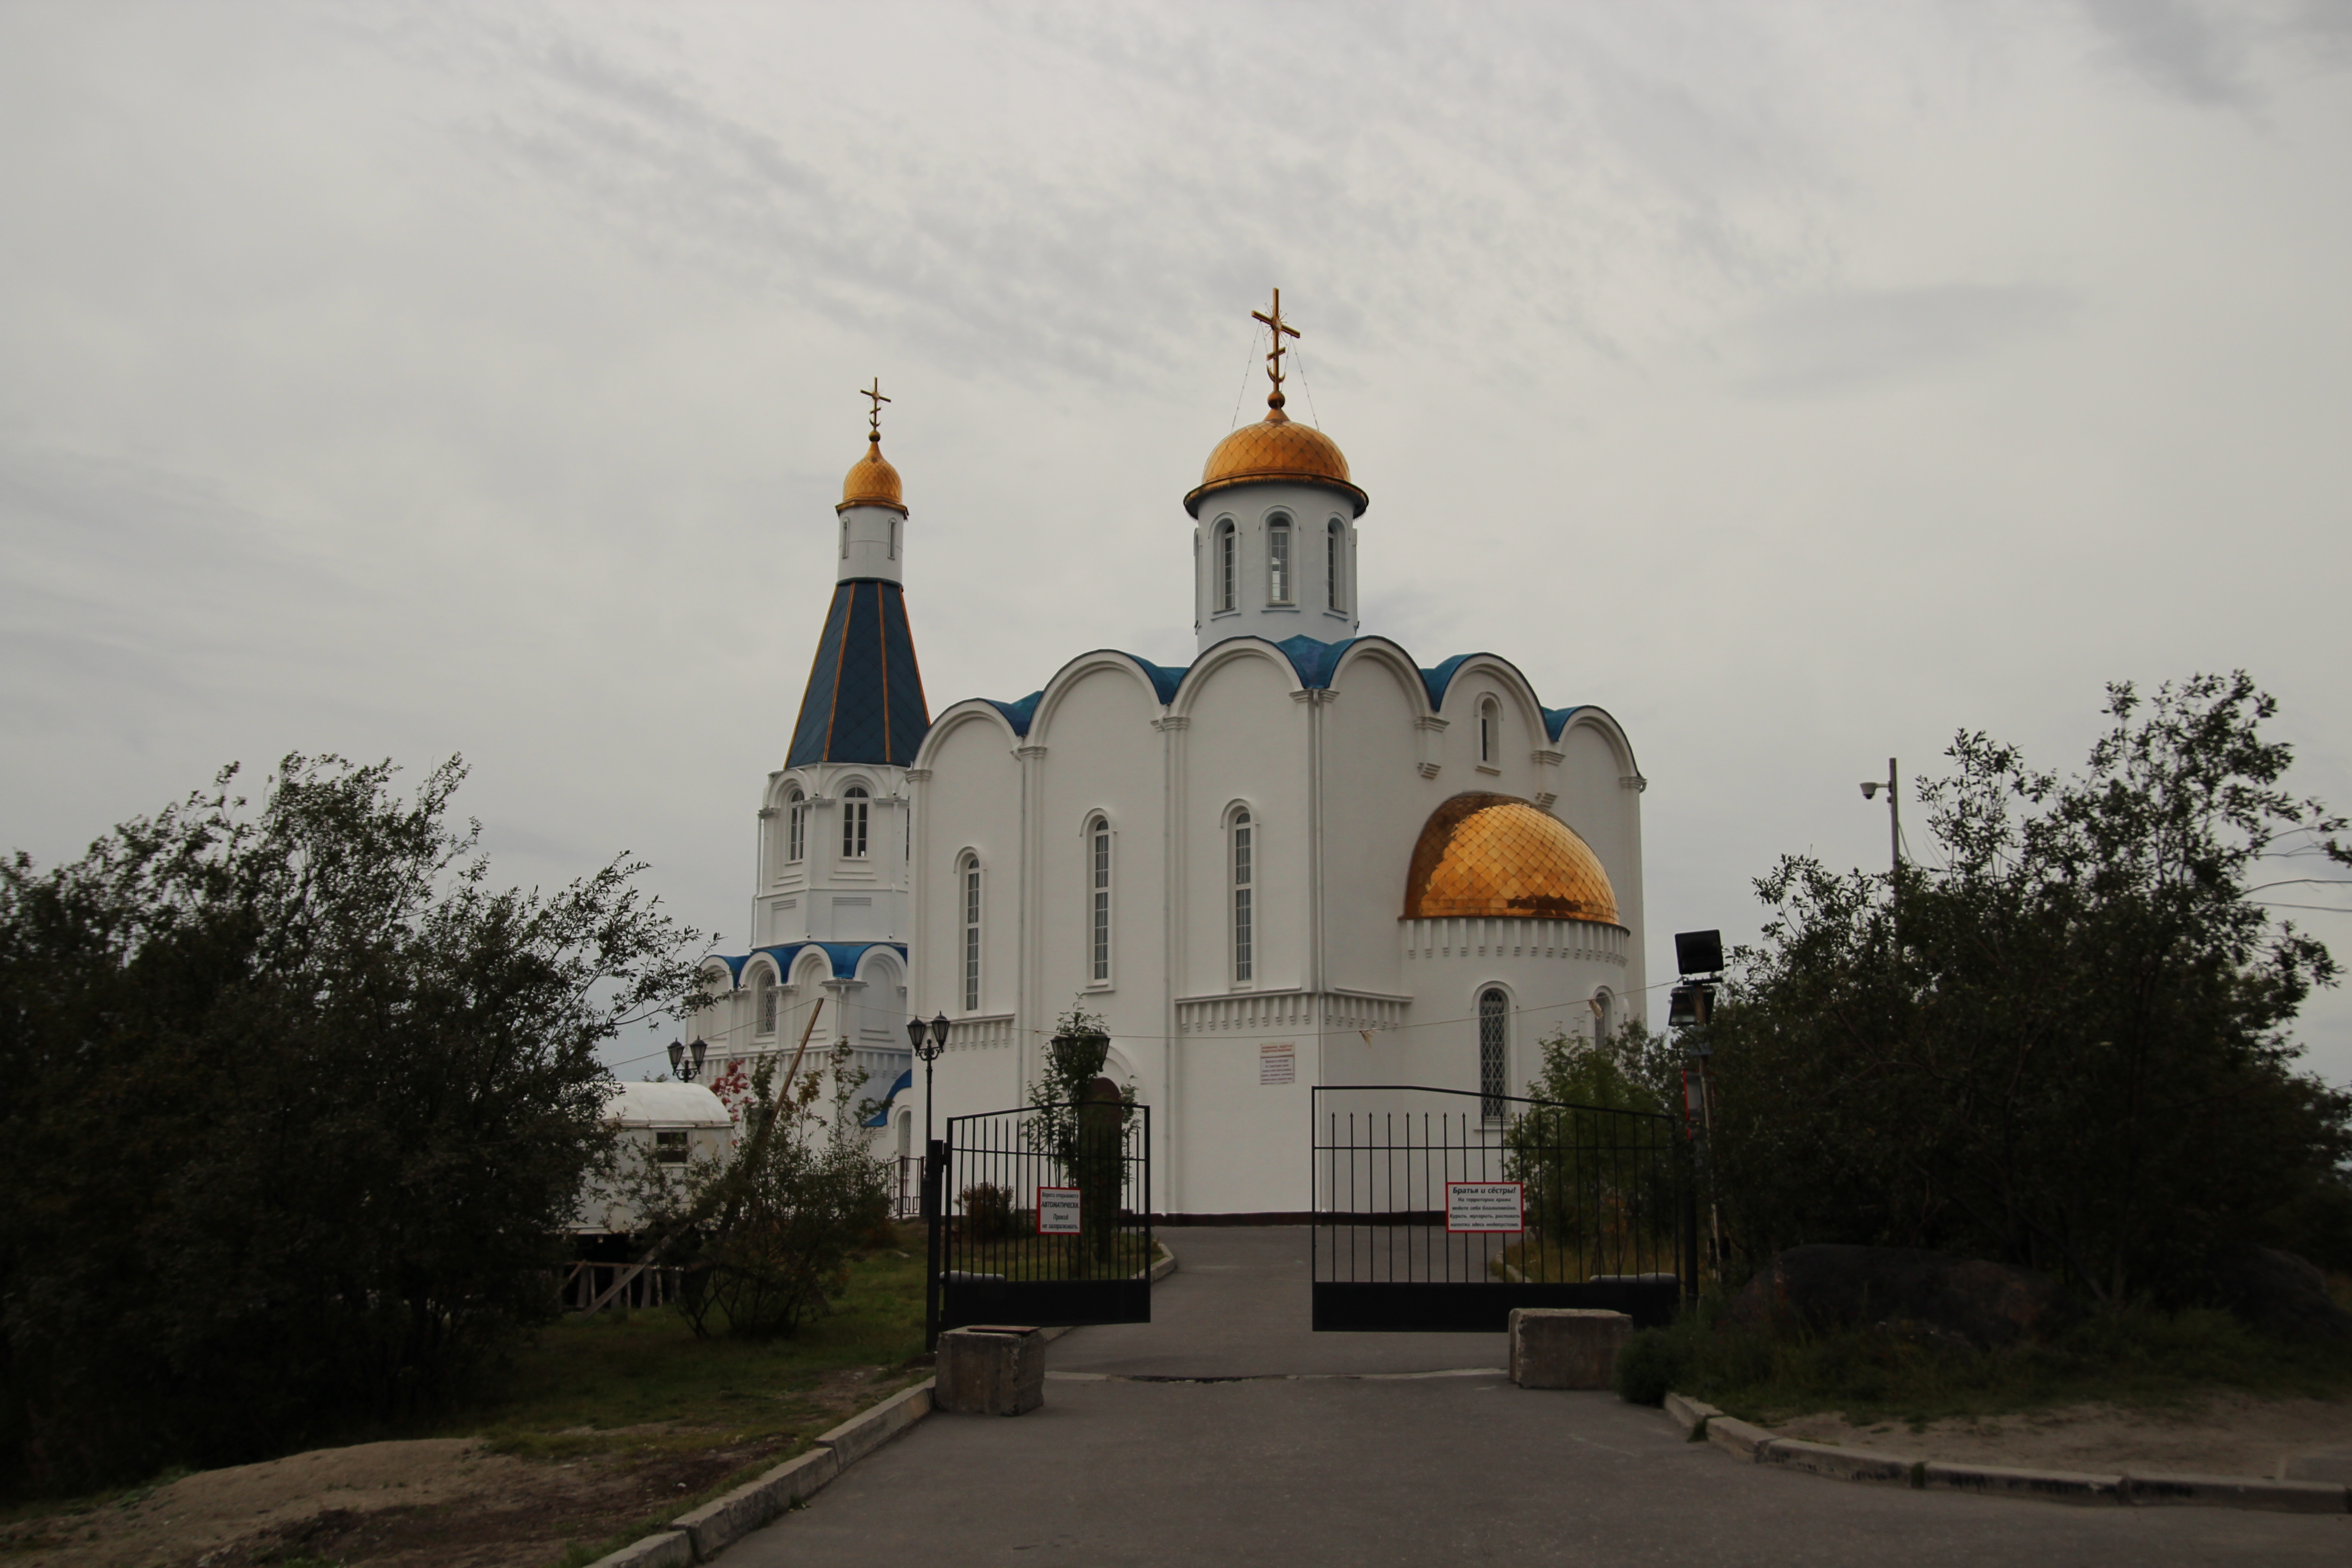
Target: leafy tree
(300, 1106)
(2066, 1049)
(764, 1237)
(1600, 1172)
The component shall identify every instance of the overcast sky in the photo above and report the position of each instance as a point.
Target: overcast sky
(1800, 382)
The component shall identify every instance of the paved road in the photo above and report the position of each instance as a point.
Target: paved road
(1371, 1449)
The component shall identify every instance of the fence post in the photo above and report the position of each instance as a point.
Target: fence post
(934, 1163)
(1687, 1221)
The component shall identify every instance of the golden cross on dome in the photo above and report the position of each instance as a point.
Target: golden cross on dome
(874, 417)
(1274, 360)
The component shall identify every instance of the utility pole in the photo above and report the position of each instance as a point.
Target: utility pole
(1894, 835)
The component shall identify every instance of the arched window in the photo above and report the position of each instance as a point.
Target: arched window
(1244, 834)
(894, 537)
(1604, 1021)
(1335, 539)
(854, 806)
(763, 998)
(967, 889)
(1494, 1051)
(1227, 566)
(845, 539)
(1490, 730)
(906, 1133)
(1277, 561)
(1097, 901)
(796, 826)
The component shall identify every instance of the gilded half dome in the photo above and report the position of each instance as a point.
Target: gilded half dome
(1279, 449)
(872, 481)
(1497, 855)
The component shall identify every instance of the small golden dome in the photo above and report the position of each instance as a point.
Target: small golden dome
(1496, 855)
(1278, 448)
(872, 481)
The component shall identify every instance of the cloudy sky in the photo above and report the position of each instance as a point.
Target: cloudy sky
(1801, 383)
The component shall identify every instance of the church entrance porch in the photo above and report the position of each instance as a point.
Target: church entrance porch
(1041, 1216)
(1441, 1210)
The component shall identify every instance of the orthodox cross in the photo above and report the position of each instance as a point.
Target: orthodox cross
(1274, 360)
(874, 416)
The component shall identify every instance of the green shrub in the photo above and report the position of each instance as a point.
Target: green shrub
(1651, 1366)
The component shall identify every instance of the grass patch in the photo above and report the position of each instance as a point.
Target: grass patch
(2137, 1358)
(645, 1382)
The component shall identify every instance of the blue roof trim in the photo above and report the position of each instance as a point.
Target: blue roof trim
(864, 702)
(1164, 679)
(843, 956)
(1315, 661)
(1018, 714)
(734, 966)
(1555, 719)
(1438, 679)
(881, 1117)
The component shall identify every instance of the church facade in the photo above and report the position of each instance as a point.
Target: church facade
(1303, 858)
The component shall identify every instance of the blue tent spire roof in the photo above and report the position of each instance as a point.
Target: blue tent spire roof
(865, 697)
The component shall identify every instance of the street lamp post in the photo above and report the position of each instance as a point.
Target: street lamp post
(677, 1060)
(929, 1040)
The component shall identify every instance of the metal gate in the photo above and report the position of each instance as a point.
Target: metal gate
(1041, 1216)
(1444, 1209)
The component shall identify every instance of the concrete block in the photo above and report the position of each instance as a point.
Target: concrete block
(670, 1549)
(1690, 1414)
(863, 1432)
(1566, 1347)
(2237, 1491)
(1727, 1432)
(2047, 1486)
(1828, 1459)
(991, 1371)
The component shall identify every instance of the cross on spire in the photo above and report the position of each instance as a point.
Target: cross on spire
(873, 415)
(1279, 327)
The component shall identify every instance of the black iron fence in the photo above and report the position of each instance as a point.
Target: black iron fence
(1042, 1217)
(1444, 1209)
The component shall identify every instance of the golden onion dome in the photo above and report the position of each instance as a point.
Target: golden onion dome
(1496, 855)
(1277, 449)
(872, 481)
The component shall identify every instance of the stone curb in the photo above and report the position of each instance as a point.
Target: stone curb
(2152, 1488)
(868, 1430)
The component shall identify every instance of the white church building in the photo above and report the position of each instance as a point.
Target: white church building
(1304, 859)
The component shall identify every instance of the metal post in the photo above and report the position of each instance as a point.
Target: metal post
(934, 1169)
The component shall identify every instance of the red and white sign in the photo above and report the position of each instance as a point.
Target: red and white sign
(1486, 1208)
(1057, 1211)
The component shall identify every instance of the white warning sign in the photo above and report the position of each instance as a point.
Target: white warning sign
(1057, 1211)
(1485, 1208)
(1277, 1062)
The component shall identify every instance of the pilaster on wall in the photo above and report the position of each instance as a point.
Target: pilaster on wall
(1430, 732)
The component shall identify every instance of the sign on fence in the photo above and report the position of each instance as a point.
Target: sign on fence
(1483, 1207)
(1057, 1211)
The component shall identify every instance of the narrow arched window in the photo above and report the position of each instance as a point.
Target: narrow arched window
(1490, 724)
(763, 994)
(894, 537)
(1099, 901)
(1494, 1051)
(1245, 890)
(1334, 554)
(854, 809)
(845, 539)
(1278, 562)
(1604, 1019)
(967, 887)
(796, 826)
(1227, 566)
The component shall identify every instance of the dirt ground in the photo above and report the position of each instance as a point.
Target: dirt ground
(2221, 1435)
(435, 1502)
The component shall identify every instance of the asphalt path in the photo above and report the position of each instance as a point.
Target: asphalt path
(1227, 1432)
